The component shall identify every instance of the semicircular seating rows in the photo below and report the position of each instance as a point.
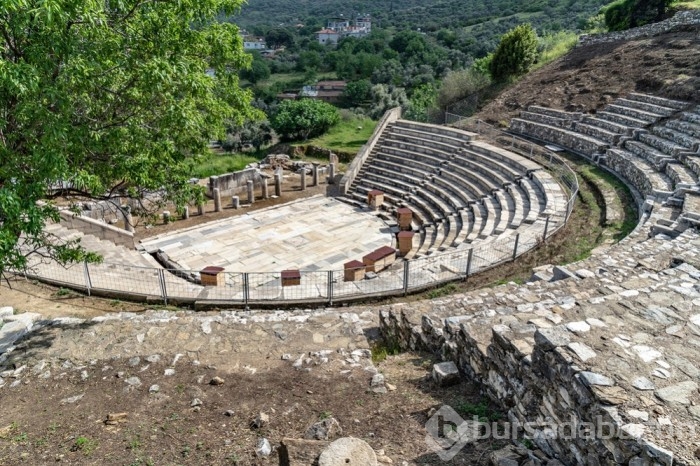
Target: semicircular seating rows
(460, 190)
(653, 143)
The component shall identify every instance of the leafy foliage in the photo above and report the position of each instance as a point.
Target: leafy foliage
(515, 54)
(305, 118)
(106, 99)
(625, 14)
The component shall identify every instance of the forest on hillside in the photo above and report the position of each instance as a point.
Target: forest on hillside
(483, 21)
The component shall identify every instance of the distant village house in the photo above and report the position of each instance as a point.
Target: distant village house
(338, 28)
(327, 91)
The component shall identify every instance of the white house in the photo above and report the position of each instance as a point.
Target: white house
(341, 27)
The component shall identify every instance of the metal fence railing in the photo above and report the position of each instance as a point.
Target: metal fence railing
(330, 286)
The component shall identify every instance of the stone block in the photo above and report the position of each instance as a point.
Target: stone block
(297, 452)
(375, 199)
(446, 373)
(550, 338)
(354, 271)
(405, 240)
(404, 217)
(379, 259)
(212, 276)
(562, 273)
(291, 277)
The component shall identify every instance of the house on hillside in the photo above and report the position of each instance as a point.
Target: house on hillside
(251, 42)
(340, 27)
(327, 91)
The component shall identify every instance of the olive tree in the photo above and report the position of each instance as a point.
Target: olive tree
(102, 99)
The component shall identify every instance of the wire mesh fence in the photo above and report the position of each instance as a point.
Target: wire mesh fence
(391, 277)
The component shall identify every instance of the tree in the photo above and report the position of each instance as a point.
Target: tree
(515, 54)
(255, 133)
(276, 38)
(106, 99)
(460, 92)
(386, 97)
(258, 71)
(421, 102)
(357, 92)
(305, 118)
(625, 14)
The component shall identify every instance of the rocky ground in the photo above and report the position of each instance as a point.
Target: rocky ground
(178, 387)
(592, 76)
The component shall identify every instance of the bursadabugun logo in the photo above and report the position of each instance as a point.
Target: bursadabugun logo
(448, 433)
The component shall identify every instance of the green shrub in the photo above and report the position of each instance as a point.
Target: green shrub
(515, 54)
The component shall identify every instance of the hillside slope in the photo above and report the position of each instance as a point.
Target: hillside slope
(591, 76)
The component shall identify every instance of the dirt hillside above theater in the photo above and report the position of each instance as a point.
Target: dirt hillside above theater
(591, 76)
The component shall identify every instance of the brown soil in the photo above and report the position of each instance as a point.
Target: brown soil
(38, 426)
(590, 77)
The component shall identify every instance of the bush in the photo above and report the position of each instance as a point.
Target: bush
(302, 119)
(626, 14)
(515, 54)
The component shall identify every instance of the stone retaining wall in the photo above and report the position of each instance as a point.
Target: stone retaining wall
(595, 343)
(230, 184)
(97, 228)
(678, 21)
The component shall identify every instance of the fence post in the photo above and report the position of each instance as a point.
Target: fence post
(88, 281)
(405, 277)
(163, 290)
(469, 263)
(515, 247)
(330, 287)
(246, 290)
(546, 226)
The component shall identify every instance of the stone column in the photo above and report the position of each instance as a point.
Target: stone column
(200, 209)
(303, 178)
(278, 185)
(331, 173)
(265, 188)
(166, 216)
(236, 202)
(128, 219)
(251, 191)
(186, 212)
(217, 200)
(314, 181)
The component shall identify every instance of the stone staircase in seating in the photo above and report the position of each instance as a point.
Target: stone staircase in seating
(651, 142)
(461, 190)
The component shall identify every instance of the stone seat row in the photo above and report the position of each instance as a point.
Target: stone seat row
(652, 142)
(460, 190)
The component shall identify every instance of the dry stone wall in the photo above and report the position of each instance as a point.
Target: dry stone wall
(597, 364)
(678, 21)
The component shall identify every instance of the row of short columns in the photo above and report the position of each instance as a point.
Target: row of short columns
(250, 193)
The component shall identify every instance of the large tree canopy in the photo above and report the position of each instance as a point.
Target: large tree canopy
(106, 98)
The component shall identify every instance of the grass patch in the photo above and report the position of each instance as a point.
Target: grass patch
(480, 410)
(687, 5)
(443, 290)
(349, 135)
(84, 445)
(384, 349)
(216, 164)
(553, 46)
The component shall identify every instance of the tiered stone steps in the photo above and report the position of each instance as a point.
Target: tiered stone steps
(652, 142)
(460, 189)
